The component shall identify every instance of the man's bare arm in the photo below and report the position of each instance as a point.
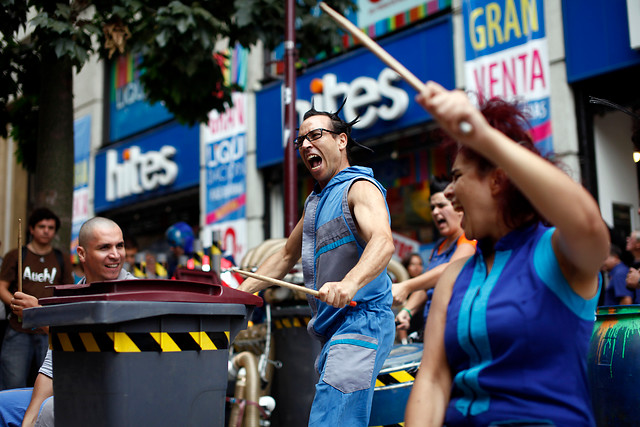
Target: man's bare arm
(429, 278)
(42, 389)
(278, 264)
(372, 220)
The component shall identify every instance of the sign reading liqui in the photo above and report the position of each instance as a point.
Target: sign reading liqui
(507, 56)
(224, 183)
(151, 165)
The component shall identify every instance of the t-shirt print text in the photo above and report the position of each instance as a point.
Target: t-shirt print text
(44, 277)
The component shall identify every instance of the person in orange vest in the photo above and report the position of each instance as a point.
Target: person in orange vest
(416, 293)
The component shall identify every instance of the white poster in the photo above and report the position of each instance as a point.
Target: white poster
(507, 55)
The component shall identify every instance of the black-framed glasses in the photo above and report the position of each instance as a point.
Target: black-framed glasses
(312, 135)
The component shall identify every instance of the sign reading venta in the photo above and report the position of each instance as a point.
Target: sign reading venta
(507, 56)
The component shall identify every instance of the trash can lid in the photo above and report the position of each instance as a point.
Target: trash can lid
(112, 312)
(151, 290)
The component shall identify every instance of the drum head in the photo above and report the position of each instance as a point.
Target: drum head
(403, 354)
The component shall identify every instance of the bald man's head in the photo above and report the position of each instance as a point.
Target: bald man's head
(101, 249)
(87, 229)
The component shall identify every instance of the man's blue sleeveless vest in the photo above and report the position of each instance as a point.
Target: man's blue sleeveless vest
(331, 247)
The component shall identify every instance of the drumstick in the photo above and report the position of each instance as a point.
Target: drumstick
(377, 50)
(19, 255)
(283, 283)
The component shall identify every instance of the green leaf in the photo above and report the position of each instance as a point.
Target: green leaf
(63, 10)
(183, 25)
(59, 27)
(81, 55)
(243, 17)
(162, 38)
(40, 20)
(178, 7)
(59, 47)
(91, 29)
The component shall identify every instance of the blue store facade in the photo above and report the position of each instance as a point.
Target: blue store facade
(147, 174)
(406, 154)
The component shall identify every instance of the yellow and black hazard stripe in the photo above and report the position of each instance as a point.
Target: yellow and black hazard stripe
(134, 342)
(397, 377)
(292, 322)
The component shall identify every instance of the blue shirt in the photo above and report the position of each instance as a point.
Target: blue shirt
(617, 288)
(436, 259)
(517, 339)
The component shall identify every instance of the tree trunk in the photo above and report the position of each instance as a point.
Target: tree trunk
(55, 158)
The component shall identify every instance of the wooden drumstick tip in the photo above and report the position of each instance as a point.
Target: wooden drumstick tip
(465, 127)
(383, 55)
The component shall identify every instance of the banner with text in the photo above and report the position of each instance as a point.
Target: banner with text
(81, 149)
(224, 143)
(506, 55)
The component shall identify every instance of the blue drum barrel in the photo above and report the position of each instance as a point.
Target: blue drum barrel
(614, 366)
(393, 385)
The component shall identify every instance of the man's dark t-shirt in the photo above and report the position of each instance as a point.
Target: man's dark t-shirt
(39, 271)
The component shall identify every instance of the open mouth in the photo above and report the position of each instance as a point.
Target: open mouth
(314, 161)
(112, 265)
(440, 222)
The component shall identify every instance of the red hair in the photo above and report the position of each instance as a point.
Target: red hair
(510, 119)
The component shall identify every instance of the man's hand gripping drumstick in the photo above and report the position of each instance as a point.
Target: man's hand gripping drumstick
(282, 283)
(464, 126)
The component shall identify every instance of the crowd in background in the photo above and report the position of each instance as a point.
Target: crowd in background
(505, 241)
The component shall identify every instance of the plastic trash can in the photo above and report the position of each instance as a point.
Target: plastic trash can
(141, 352)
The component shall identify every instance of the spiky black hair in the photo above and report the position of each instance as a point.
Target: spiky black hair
(339, 126)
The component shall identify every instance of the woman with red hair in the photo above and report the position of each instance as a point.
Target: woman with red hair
(507, 336)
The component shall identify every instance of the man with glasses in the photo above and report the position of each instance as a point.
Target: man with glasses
(344, 239)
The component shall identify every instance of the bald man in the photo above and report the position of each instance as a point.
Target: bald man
(101, 251)
(102, 254)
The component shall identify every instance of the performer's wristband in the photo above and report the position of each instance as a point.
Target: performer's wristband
(408, 311)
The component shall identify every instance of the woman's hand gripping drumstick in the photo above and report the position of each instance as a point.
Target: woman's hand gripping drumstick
(377, 50)
(282, 283)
